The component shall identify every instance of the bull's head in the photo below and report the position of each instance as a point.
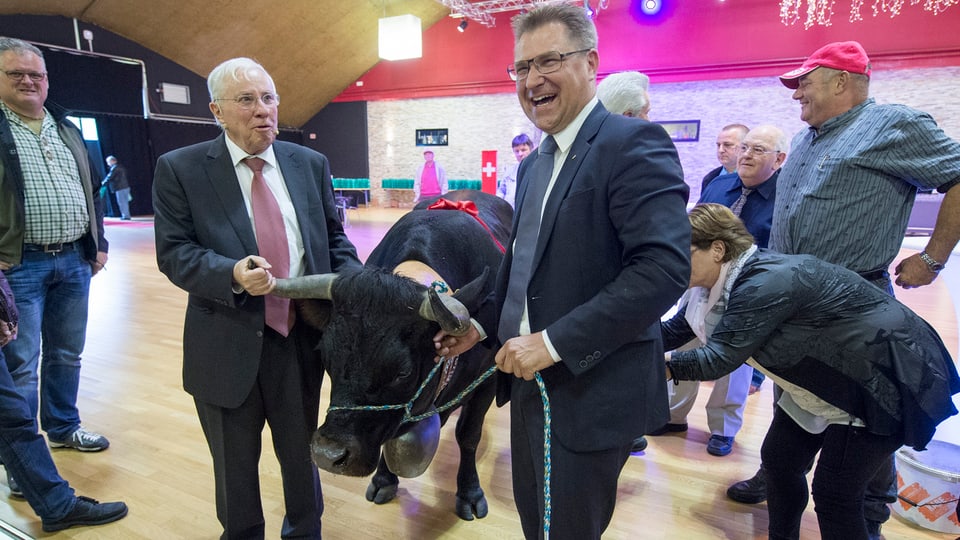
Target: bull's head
(452, 316)
(377, 347)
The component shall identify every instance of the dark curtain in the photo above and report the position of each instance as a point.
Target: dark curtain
(138, 144)
(127, 139)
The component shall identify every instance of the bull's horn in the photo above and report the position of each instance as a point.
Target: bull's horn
(318, 286)
(454, 318)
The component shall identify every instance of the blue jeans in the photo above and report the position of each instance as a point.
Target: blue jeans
(52, 292)
(27, 458)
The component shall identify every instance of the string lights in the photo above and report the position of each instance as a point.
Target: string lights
(820, 12)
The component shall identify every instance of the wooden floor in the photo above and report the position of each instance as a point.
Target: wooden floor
(159, 464)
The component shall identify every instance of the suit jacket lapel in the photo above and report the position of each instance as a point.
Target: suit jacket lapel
(298, 183)
(568, 170)
(223, 177)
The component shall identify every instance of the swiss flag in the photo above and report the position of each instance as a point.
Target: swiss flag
(488, 171)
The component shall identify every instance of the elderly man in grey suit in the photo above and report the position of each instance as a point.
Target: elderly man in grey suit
(600, 250)
(232, 215)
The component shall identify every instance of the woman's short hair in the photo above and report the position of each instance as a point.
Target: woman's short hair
(710, 222)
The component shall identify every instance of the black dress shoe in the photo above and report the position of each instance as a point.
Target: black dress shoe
(668, 428)
(752, 491)
(639, 444)
(87, 511)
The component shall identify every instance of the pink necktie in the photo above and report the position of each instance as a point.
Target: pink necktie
(272, 244)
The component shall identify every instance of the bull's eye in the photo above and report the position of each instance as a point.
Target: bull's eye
(402, 376)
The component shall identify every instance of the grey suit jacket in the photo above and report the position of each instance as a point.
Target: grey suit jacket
(202, 229)
(612, 256)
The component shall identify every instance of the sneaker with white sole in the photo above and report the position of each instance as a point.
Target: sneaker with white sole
(83, 440)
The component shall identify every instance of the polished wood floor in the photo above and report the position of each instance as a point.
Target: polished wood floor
(159, 464)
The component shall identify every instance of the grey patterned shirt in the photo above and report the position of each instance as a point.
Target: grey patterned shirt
(857, 178)
(56, 207)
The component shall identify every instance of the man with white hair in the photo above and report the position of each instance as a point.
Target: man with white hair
(232, 215)
(626, 93)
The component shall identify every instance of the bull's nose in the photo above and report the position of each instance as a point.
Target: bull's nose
(342, 457)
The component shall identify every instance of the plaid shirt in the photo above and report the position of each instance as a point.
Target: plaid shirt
(56, 209)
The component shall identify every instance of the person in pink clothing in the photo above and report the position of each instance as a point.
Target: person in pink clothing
(430, 180)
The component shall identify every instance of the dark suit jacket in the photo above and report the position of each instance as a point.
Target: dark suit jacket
(116, 178)
(612, 256)
(710, 176)
(202, 229)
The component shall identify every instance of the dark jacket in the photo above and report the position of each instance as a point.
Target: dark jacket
(116, 179)
(8, 308)
(12, 204)
(612, 255)
(202, 229)
(827, 330)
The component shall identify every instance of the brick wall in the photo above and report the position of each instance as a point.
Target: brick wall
(489, 122)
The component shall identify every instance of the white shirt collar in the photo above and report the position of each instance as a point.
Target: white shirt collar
(237, 154)
(567, 135)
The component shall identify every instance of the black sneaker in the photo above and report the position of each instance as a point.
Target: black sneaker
(752, 491)
(87, 511)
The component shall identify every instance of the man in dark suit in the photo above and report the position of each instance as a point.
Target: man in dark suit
(117, 183)
(243, 365)
(605, 255)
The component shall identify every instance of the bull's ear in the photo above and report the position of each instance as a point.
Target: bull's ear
(475, 291)
(315, 313)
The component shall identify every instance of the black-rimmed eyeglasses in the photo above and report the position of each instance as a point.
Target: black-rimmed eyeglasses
(248, 101)
(17, 76)
(545, 63)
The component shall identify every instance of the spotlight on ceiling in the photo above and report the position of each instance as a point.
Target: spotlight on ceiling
(651, 7)
(462, 26)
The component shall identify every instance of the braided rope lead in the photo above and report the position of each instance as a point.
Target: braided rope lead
(405, 406)
(457, 399)
(408, 407)
(547, 507)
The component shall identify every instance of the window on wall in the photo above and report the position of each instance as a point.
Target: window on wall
(87, 126)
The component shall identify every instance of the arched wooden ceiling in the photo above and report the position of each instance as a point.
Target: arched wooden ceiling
(312, 48)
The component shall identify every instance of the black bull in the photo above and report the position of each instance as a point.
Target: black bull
(376, 345)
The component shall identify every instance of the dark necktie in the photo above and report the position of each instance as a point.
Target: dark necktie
(737, 206)
(525, 244)
(271, 243)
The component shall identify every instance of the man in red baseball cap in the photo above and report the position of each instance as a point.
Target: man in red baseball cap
(843, 55)
(845, 196)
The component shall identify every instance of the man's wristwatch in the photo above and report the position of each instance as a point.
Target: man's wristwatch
(931, 262)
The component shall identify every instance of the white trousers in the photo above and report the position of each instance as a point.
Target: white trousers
(725, 406)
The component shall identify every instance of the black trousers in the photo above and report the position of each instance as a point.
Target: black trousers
(583, 484)
(849, 458)
(287, 396)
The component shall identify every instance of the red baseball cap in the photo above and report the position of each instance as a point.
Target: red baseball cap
(843, 55)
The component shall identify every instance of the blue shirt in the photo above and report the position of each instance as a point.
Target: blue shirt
(847, 189)
(757, 212)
